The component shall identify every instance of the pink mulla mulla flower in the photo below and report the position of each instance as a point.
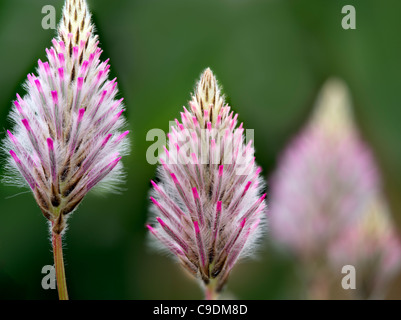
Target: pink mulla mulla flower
(67, 135)
(208, 205)
(324, 180)
(373, 247)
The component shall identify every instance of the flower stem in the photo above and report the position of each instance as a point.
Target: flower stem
(59, 265)
(210, 292)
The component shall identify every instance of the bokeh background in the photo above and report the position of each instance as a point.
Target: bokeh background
(271, 57)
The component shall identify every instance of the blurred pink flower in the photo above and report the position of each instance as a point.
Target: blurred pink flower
(373, 247)
(324, 180)
(324, 202)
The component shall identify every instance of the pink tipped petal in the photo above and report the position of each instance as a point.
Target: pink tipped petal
(177, 211)
(166, 213)
(81, 113)
(151, 229)
(80, 83)
(26, 124)
(50, 144)
(54, 97)
(52, 161)
(75, 51)
(195, 193)
(174, 236)
(24, 171)
(201, 248)
(154, 185)
(106, 140)
(182, 192)
(16, 159)
(198, 205)
(122, 136)
(38, 86)
(102, 173)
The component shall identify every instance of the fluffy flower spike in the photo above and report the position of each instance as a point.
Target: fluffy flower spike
(208, 204)
(325, 177)
(67, 129)
(327, 205)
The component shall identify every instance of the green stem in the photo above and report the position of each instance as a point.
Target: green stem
(59, 265)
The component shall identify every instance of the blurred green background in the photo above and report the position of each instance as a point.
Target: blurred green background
(271, 57)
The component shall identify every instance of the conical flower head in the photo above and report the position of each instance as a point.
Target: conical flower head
(325, 178)
(208, 204)
(67, 129)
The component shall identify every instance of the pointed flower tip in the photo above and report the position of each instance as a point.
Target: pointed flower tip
(81, 114)
(248, 185)
(18, 106)
(80, 82)
(54, 97)
(195, 193)
(120, 113)
(174, 178)
(150, 228)
(208, 73)
(106, 139)
(115, 162)
(154, 201)
(154, 185)
(47, 67)
(207, 80)
(38, 85)
(122, 136)
(196, 225)
(162, 223)
(16, 159)
(10, 135)
(61, 74)
(26, 124)
(50, 144)
(194, 158)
